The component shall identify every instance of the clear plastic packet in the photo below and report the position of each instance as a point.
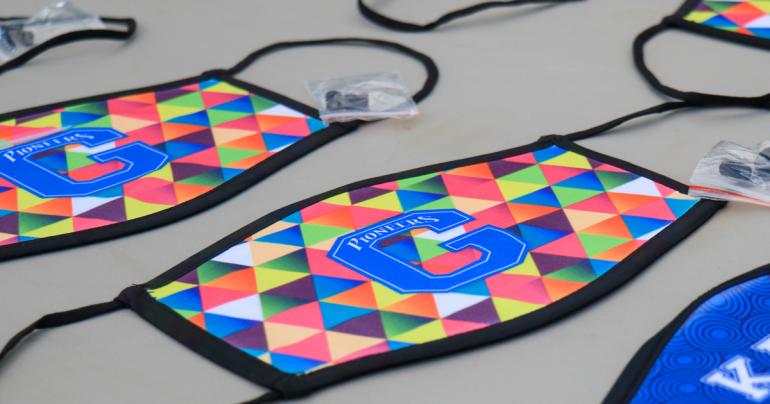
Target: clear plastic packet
(732, 172)
(366, 97)
(19, 35)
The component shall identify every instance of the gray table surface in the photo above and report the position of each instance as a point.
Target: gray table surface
(508, 76)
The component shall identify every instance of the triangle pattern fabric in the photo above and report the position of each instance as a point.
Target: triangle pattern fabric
(745, 17)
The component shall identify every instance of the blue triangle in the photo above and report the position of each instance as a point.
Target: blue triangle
(315, 125)
(720, 21)
(176, 150)
(336, 314)
(274, 142)
(253, 352)
(639, 226)
(538, 236)
(402, 247)
(601, 267)
(394, 345)
(413, 199)
(6, 212)
(290, 236)
(292, 364)
(587, 180)
(478, 288)
(200, 118)
(680, 206)
(229, 173)
(543, 197)
(549, 153)
(222, 326)
(208, 83)
(327, 286)
(188, 299)
(242, 104)
(760, 32)
(295, 217)
(77, 118)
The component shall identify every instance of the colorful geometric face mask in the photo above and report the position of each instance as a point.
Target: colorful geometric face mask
(717, 350)
(741, 21)
(397, 25)
(104, 166)
(414, 265)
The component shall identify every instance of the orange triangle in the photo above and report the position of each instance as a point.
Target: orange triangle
(523, 212)
(268, 122)
(620, 252)
(339, 218)
(480, 170)
(199, 320)
(253, 142)
(146, 98)
(186, 192)
(239, 280)
(206, 157)
(421, 304)
(249, 162)
(56, 206)
(9, 200)
(625, 202)
(558, 289)
(315, 348)
(614, 226)
(175, 130)
(360, 296)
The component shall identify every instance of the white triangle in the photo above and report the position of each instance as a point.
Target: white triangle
(639, 186)
(762, 22)
(281, 110)
(450, 303)
(239, 254)
(651, 234)
(249, 308)
(447, 235)
(86, 203)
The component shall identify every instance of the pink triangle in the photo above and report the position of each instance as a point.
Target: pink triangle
(390, 185)
(212, 98)
(150, 135)
(568, 246)
(296, 128)
(664, 190)
(307, 315)
(498, 215)
(469, 187)
(315, 348)
(83, 223)
(656, 210)
(518, 287)
(151, 190)
(213, 297)
(318, 209)
(363, 216)
(207, 157)
(599, 203)
(245, 123)
(527, 158)
(321, 265)
(454, 327)
(555, 174)
(610, 168)
(372, 350)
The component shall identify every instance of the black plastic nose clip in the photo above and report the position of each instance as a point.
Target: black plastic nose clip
(734, 169)
(337, 101)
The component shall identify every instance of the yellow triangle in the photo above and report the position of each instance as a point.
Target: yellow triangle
(512, 190)
(569, 159)
(508, 309)
(280, 335)
(168, 112)
(27, 200)
(54, 229)
(10, 122)
(339, 199)
(581, 219)
(170, 289)
(386, 296)
(387, 201)
(527, 267)
(266, 252)
(136, 208)
(424, 333)
(164, 173)
(125, 124)
(343, 344)
(700, 16)
(272, 278)
(472, 205)
(226, 88)
(48, 121)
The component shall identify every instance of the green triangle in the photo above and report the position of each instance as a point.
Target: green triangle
(260, 104)
(30, 221)
(422, 334)
(217, 117)
(187, 313)
(568, 196)
(316, 233)
(77, 160)
(612, 180)
(406, 182)
(228, 155)
(103, 122)
(54, 229)
(211, 179)
(443, 203)
(720, 5)
(428, 248)
(387, 201)
(272, 305)
(272, 278)
(98, 107)
(190, 100)
(596, 244)
(529, 175)
(212, 270)
(294, 262)
(432, 184)
(396, 323)
(573, 273)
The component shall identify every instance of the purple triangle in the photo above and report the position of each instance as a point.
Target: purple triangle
(369, 325)
(183, 171)
(10, 223)
(250, 338)
(501, 167)
(203, 137)
(114, 211)
(548, 263)
(552, 221)
(482, 312)
(360, 195)
(302, 289)
(164, 95)
(190, 277)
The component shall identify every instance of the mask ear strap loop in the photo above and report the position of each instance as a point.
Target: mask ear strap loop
(702, 99)
(124, 28)
(430, 66)
(404, 26)
(607, 126)
(60, 319)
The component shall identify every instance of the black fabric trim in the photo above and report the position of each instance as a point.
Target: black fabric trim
(634, 374)
(398, 25)
(106, 33)
(677, 21)
(291, 386)
(234, 185)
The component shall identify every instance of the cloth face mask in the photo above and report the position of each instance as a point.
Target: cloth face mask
(717, 350)
(741, 21)
(398, 25)
(104, 166)
(415, 265)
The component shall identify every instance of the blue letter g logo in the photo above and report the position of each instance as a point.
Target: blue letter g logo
(361, 251)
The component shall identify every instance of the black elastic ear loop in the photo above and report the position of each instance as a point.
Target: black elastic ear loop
(690, 96)
(62, 318)
(430, 66)
(128, 24)
(397, 25)
(600, 129)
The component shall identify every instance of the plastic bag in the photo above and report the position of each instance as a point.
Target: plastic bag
(19, 35)
(735, 173)
(365, 97)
